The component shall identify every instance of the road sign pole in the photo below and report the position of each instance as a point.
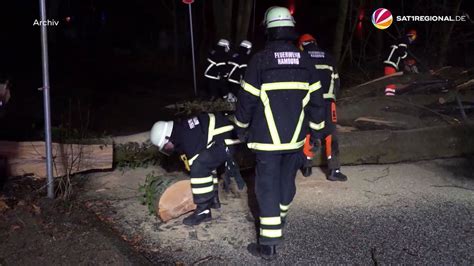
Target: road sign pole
(192, 47)
(47, 115)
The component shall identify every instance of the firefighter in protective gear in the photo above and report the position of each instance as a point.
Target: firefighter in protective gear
(205, 142)
(326, 66)
(398, 53)
(237, 66)
(280, 100)
(216, 71)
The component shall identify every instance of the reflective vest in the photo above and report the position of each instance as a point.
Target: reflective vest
(280, 99)
(397, 52)
(325, 64)
(193, 135)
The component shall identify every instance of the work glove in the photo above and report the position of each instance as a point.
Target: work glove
(232, 170)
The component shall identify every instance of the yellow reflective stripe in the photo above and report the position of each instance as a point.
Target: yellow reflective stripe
(269, 117)
(223, 129)
(316, 126)
(301, 119)
(271, 233)
(232, 141)
(285, 86)
(284, 207)
(329, 96)
(203, 190)
(212, 125)
(336, 76)
(238, 123)
(215, 180)
(283, 214)
(250, 89)
(324, 67)
(201, 180)
(190, 161)
(275, 147)
(314, 87)
(270, 220)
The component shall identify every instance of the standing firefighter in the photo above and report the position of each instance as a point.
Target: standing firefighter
(330, 84)
(205, 144)
(397, 53)
(279, 91)
(216, 71)
(237, 66)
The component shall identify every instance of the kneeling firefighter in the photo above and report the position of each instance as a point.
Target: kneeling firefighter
(330, 84)
(205, 143)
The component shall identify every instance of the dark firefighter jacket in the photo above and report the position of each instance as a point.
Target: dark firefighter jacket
(280, 92)
(217, 63)
(397, 53)
(193, 135)
(237, 65)
(326, 66)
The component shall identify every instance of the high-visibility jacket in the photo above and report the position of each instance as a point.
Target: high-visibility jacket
(326, 66)
(193, 135)
(217, 64)
(280, 99)
(397, 53)
(237, 65)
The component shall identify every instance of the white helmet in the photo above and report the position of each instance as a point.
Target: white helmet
(277, 16)
(224, 43)
(247, 45)
(160, 133)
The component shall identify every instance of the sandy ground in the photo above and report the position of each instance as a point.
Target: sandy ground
(404, 213)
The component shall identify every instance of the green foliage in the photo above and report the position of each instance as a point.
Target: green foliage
(149, 190)
(135, 155)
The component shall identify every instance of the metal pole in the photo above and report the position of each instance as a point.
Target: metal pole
(47, 117)
(192, 47)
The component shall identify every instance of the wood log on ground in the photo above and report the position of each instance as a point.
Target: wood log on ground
(393, 146)
(28, 158)
(379, 123)
(175, 200)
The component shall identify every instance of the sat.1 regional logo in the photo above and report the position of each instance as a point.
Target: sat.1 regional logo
(382, 18)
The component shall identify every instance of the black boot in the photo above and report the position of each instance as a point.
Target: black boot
(200, 215)
(336, 175)
(216, 203)
(267, 252)
(307, 171)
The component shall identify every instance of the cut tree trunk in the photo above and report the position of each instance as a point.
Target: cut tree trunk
(174, 200)
(394, 146)
(373, 123)
(28, 158)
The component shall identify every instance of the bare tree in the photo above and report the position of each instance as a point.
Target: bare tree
(446, 31)
(340, 29)
(244, 14)
(222, 10)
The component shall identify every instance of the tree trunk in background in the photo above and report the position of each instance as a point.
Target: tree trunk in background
(222, 10)
(446, 31)
(340, 29)
(243, 20)
(379, 45)
(175, 35)
(53, 13)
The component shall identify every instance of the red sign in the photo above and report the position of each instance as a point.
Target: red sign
(188, 1)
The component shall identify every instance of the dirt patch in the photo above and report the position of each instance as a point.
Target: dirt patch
(37, 231)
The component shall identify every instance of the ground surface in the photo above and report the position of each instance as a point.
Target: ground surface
(404, 213)
(37, 231)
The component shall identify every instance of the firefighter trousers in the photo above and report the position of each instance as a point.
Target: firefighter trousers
(275, 189)
(204, 181)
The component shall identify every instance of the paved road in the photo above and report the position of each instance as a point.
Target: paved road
(403, 213)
